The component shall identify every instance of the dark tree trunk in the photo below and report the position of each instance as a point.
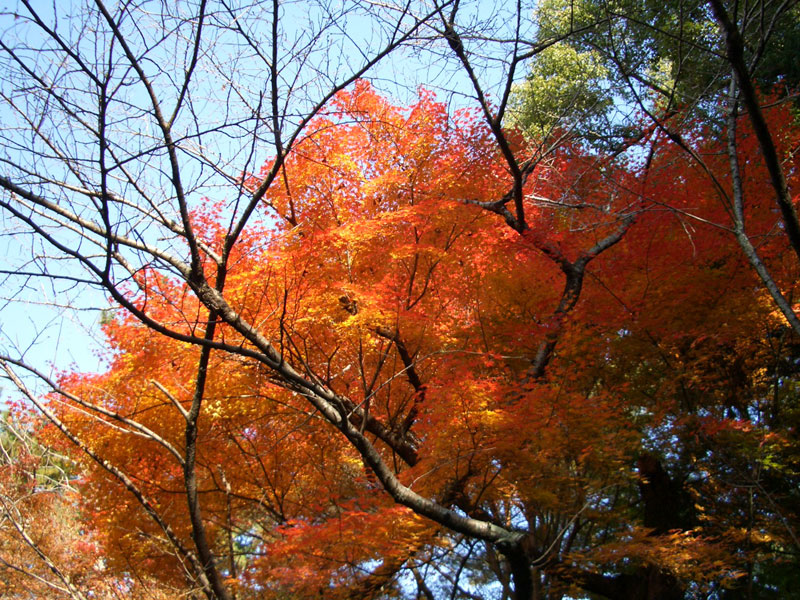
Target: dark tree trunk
(520, 565)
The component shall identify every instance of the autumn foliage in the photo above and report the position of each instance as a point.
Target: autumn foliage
(641, 426)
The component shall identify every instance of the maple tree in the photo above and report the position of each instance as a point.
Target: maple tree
(32, 505)
(678, 64)
(418, 352)
(48, 548)
(385, 287)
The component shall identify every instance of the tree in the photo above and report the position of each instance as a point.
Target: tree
(47, 546)
(694, 69)
(33, 501)
(678, 63)
(501, 364)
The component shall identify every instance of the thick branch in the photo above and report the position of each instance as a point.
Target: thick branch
(574, 272)
(739, 225)
(411, 374)
(734, 44)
